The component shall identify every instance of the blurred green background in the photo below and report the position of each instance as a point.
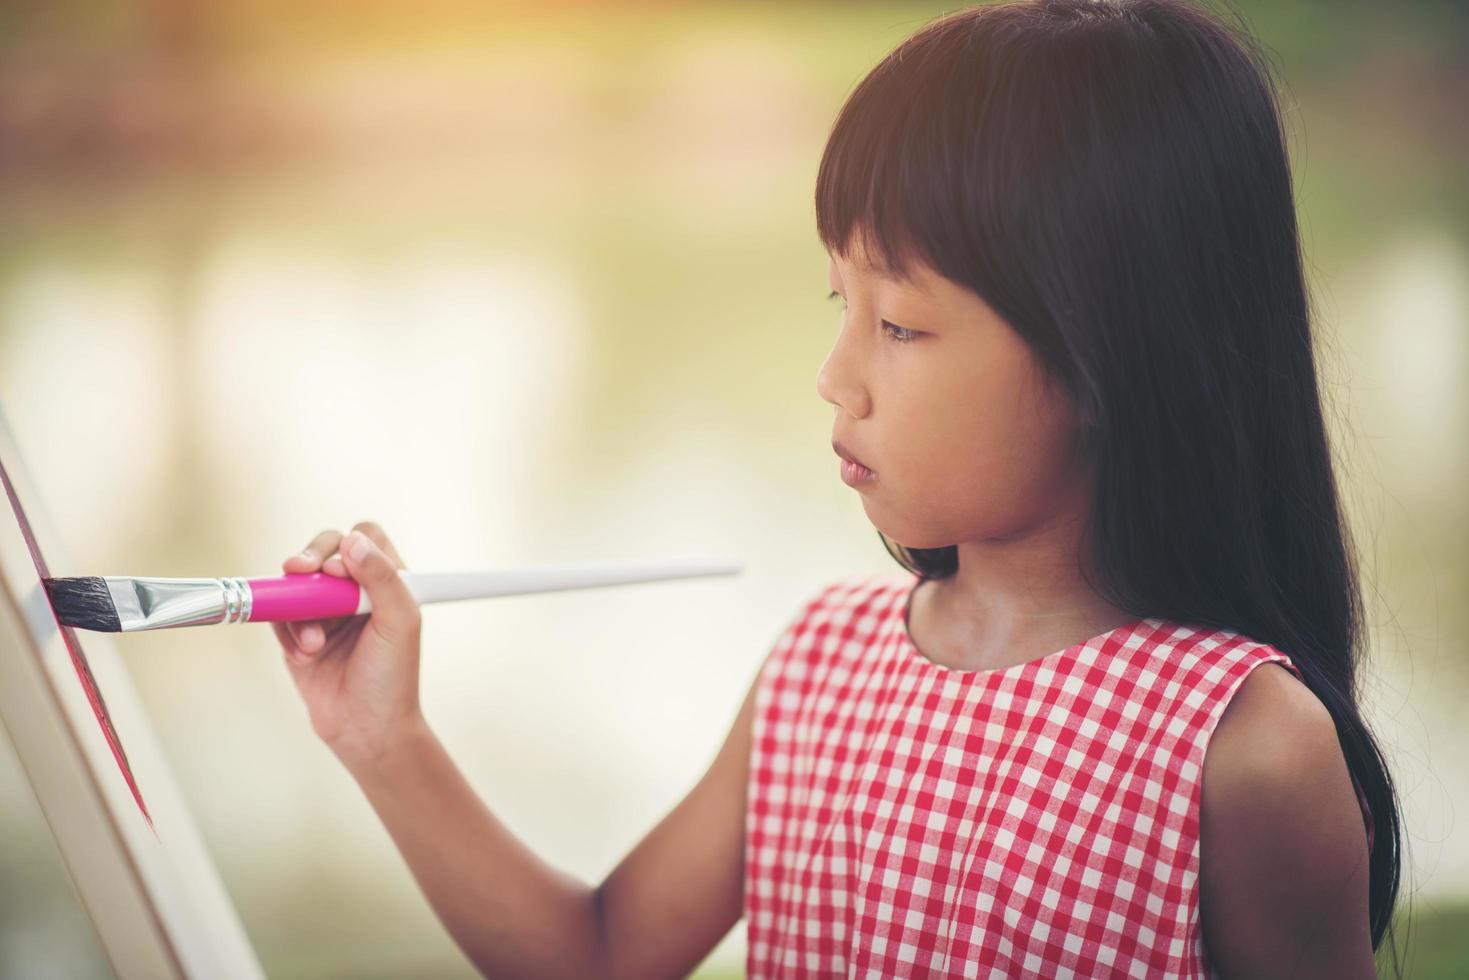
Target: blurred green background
(538, 283)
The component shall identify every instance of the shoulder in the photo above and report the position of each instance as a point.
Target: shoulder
(1273, 730)
(1283, 851)
(819, 602)
(857, 600)
(838, 606)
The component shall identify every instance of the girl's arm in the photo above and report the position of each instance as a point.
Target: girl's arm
(658, 913)
(1283, 852)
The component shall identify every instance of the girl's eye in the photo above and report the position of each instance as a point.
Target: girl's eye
(899, 334)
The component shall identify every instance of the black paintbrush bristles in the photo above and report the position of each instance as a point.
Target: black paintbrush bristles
(84, 603)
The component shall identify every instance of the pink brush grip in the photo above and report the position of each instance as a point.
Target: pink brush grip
(314, 596)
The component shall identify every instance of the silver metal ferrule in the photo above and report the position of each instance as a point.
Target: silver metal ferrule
(163, 603)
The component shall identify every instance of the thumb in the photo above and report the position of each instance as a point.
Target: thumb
(395, 614)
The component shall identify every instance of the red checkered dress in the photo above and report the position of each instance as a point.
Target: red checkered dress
(909, 819)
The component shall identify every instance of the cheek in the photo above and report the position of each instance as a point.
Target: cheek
(998, 462)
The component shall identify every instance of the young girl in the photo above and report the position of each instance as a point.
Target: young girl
(1074, 387)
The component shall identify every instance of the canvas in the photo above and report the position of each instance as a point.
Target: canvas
(83, 737)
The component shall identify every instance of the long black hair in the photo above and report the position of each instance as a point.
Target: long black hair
(1112, 178)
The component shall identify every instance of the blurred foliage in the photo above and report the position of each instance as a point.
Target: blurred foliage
(1435, 937)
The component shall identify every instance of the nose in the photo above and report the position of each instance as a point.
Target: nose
(838, 382)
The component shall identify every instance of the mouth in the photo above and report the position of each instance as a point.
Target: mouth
(846, 454)
(854, 472)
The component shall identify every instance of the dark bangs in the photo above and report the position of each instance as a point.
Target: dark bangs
(945, 151)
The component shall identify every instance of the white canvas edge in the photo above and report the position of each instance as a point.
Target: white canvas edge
(156, 899)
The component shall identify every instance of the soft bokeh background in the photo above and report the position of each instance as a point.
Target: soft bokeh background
(541, 283)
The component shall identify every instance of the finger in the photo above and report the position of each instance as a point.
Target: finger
(309, 636)
(293, 652)
(395, 614)
(341, 635)
(380, 538)
(325, 630)
(311, 556)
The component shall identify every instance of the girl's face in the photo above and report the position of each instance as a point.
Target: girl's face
(943, 401)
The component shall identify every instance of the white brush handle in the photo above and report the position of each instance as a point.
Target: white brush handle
(430, 587)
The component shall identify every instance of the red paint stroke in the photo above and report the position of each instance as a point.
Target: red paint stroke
(78, 657)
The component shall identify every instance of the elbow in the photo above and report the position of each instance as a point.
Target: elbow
(600, 944)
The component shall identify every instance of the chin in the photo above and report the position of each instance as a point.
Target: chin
(904, 533)
(921, 544)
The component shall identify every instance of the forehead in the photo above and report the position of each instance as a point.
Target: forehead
(869, 264)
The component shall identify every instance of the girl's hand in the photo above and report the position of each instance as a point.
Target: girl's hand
(357, 674)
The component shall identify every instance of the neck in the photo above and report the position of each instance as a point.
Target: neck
(1022, 591)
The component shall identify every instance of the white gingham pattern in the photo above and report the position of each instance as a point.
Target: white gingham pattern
(905, 819)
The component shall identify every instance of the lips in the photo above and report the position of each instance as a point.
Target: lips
(846, 454)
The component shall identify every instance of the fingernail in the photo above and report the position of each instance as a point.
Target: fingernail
(358, 548)
(311, 634)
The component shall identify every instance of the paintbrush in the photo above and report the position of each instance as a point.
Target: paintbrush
(126, 604)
